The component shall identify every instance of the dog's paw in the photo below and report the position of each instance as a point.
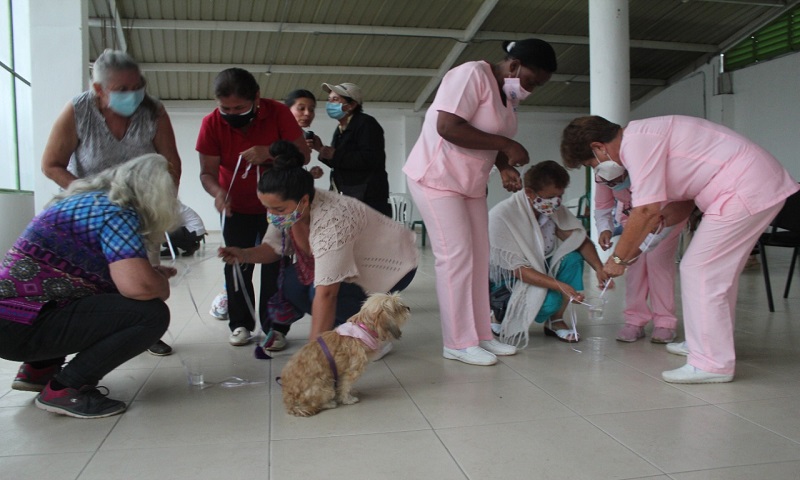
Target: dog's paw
(349, 400)
(329, 405)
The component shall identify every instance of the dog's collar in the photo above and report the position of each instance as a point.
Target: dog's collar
(361, 332)
(368, 330)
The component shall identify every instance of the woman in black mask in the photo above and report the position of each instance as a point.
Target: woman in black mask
(233, 144)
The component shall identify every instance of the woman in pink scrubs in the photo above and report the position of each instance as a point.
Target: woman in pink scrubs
(652, 277)
(467, 130)
(737, 185)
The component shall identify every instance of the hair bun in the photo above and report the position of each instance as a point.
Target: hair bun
(286, 155)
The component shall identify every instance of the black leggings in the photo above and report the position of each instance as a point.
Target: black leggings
(104, 330)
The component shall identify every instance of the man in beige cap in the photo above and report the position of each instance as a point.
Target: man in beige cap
(356, 155)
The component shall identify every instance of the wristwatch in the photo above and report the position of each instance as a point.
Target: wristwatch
(619, 261)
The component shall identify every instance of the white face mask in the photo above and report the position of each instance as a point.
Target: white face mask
(607, 170)
(514, 91)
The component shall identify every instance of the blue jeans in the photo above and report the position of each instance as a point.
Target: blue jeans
(571, 273)
(348, 302)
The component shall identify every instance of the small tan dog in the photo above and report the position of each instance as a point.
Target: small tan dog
(315, 380)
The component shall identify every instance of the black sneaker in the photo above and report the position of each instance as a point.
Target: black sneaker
(160, 349)
(87, 402)
(31, 379)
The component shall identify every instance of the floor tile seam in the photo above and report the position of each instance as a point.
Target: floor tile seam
(626, 447)
(753, 422)
(543, 390)
(411, 398)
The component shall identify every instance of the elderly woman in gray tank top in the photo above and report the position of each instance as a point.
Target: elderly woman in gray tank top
(112, 122)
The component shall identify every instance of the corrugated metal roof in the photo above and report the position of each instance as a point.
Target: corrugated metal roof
(395, 50)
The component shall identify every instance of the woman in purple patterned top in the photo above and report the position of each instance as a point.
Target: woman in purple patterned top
(78, 280)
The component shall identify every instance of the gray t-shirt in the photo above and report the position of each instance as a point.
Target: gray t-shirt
(97, 148)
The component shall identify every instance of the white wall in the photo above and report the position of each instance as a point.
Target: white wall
(540, 133)
(17, 211)
(763, 105)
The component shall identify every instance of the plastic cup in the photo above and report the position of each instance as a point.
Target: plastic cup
(194, 371)
(596, 307)
(596, 348)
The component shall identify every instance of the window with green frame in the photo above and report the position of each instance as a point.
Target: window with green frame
(16, 143)
(780, 37)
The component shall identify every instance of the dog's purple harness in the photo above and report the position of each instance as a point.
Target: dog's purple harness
(331, 362)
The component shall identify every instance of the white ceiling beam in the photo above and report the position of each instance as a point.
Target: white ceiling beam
(123, 44)
(474, 25)
(288, 69)
(345, 70)
(318, 28)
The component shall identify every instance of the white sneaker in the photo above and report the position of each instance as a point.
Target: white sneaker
(382, 351)
(279, 342)
(678, 348)
(690, 374)
(219, 307)
(497, 347)
(239, 337)
(496, 328)
(470, 355)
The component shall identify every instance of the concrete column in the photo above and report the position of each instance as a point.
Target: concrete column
(610, 72)
(59, 71)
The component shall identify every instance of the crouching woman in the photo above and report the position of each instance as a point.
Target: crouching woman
(343, 249)
(78, 280)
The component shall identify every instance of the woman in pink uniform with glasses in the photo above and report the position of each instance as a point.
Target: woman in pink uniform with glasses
(737, 185)
(468, 130)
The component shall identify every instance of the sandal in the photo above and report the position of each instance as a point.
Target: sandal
(663, 335)
(630, 333)
(561, 334)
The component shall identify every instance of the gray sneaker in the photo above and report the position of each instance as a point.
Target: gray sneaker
(86, 402)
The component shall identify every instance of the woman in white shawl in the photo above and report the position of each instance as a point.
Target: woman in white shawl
(535, 241)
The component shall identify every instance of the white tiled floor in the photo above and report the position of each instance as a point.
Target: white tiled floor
(548, 412)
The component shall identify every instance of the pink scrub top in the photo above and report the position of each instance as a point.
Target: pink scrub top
(471, 92)
(677, 158)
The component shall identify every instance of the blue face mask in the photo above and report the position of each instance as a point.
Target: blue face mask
(622, 185)
(125, 103)
(335, 110)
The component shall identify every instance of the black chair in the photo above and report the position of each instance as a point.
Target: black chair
(784, 232)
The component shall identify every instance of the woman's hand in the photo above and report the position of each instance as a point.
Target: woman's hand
(314, 143)
(516, 154)
(602, 278)
(167, 272)
(231, 255)
(316, 172)
(326, 152)
(511, 179)
(604, 239)
(257, 155)
(613, 269)
(222, 204)
(573, 294)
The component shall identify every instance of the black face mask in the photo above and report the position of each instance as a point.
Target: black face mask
(239, 120)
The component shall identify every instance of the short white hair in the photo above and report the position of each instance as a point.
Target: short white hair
(111, 61)
(143, 184)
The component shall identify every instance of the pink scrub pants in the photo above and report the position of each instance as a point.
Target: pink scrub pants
(458, 227)
(710, 279)
(653, 276)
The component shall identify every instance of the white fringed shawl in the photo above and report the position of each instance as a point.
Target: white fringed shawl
(516, 241)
